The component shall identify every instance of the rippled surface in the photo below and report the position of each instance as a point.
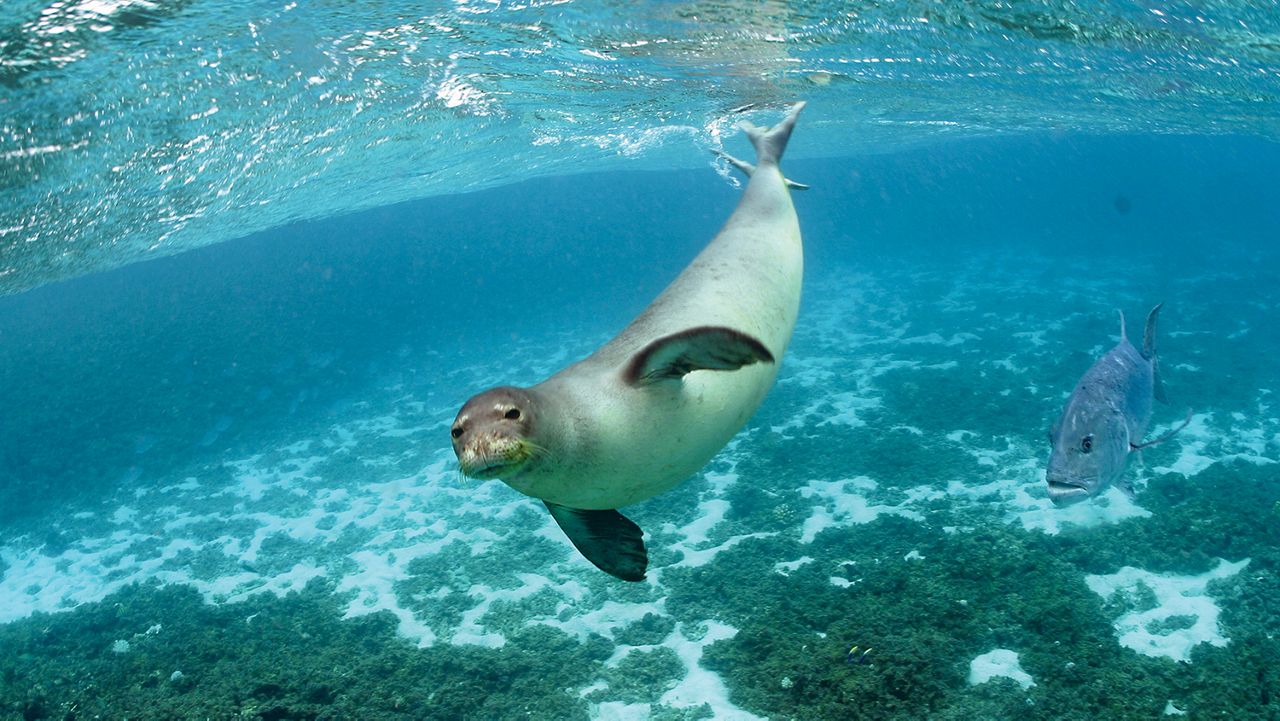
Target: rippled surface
(131, 128)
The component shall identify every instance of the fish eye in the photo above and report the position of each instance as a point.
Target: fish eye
(1086, 444)
(512, 414)
(457, 431)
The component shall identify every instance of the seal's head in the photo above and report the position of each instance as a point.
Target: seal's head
(492, 433)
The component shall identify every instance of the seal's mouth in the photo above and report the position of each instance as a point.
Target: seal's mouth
(494, 459)
(493, 468)
(1066, 493)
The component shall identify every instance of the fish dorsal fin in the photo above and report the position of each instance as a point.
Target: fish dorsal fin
(1123, 336)
(607, 538)
(1149, 334)
(1149, 352)
(1165, 437)
(702, 348)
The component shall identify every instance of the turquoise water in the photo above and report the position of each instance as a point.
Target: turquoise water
(226, 485)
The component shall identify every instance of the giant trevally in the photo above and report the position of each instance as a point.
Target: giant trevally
(1105, 419)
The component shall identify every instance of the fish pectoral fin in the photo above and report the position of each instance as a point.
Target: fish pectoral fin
(702, 348)
(608, 539)
(1185, 422)
(1126, 487)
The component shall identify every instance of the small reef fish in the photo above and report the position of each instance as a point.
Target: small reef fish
(859, 656)
(1105, 418)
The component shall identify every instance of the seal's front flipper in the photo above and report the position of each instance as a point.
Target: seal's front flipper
(703, 348)
(608, 539)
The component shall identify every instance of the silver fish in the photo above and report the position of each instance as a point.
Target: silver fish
(1105, 419)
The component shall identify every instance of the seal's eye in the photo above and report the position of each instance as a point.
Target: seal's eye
(512, 414)
(457, 431)
(1086, 444)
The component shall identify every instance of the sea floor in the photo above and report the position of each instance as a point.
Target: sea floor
(888, 496)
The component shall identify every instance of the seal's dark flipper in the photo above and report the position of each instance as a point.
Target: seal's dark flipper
(703, 348)
(608, 539)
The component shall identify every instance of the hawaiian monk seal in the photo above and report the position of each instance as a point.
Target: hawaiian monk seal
(1105, 419)
(653, 405)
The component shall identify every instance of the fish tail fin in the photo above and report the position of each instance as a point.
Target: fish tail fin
(1149, 352)
(771, 142)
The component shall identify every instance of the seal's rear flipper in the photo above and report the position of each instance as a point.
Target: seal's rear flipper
(608, 539)
(747, 169)
(770, 142)
(706, 347)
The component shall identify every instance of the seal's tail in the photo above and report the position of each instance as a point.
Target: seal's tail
(771, 142)
(747, 169)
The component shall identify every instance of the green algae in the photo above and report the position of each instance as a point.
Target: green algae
(649, 630)
(1134, 599)
(1169, 624)
(641, 676)
(509, 617)
(275, 658)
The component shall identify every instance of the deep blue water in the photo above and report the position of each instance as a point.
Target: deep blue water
(315, 311)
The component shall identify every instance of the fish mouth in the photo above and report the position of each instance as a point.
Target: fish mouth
(1067, 493)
